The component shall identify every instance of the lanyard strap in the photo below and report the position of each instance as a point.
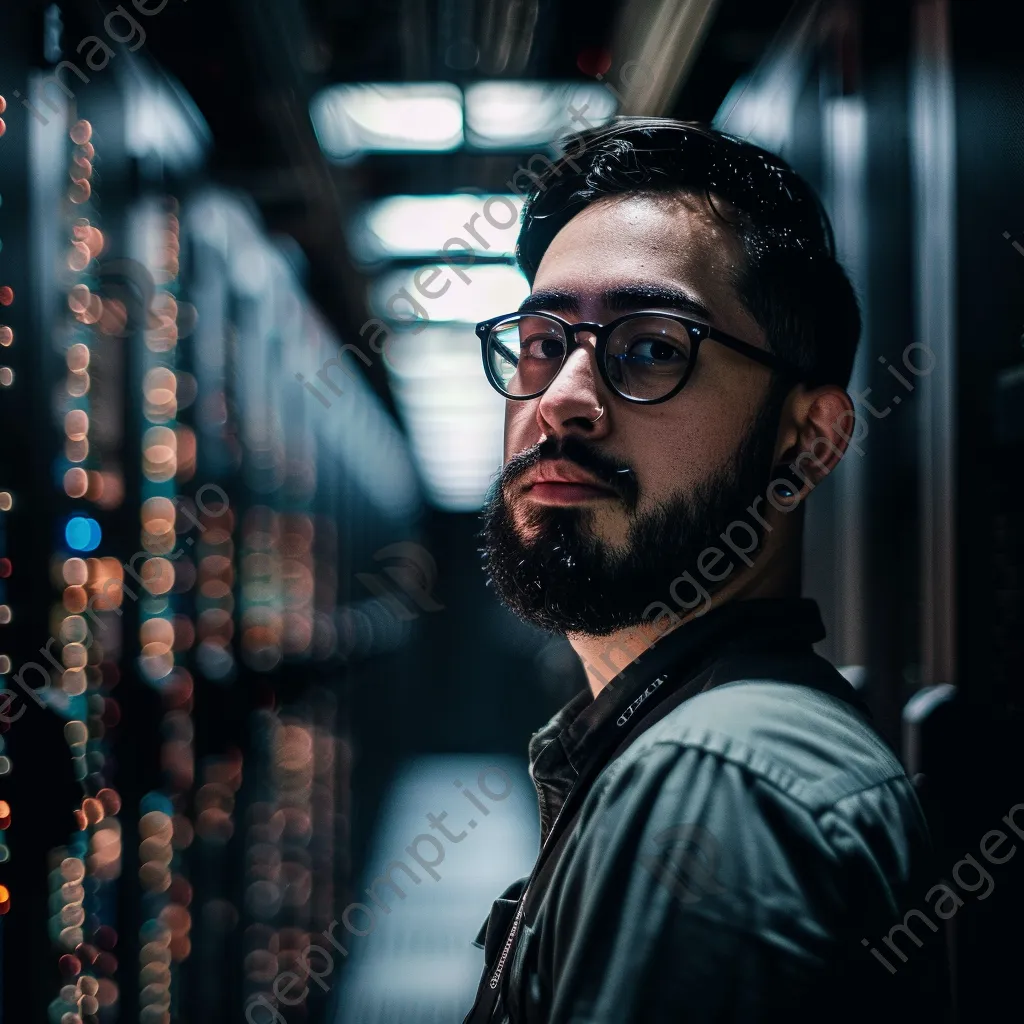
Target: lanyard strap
(489, 990)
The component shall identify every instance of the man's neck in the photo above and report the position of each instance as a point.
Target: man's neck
(604, 657)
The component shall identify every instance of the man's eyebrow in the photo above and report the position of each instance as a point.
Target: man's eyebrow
(623, 298)
(553, 302)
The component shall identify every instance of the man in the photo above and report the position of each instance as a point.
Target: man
(724, 834)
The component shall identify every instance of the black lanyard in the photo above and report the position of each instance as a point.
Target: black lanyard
(630, 723)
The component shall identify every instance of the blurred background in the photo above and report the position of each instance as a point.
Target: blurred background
(249, 658)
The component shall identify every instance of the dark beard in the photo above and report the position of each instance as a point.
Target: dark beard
(565, 580)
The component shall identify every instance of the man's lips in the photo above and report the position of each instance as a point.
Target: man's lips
(562, 483)
(566, 494)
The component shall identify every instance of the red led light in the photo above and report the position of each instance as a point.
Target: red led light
(86, 953)
(5, 814)
(5, 899)
(69, 965)
(110, 800)
(5, 568)
(3, 104)
(3, 127)
(6, 295)
(106, 963)
(594, 61)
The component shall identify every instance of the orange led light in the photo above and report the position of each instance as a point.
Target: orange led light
(77, 357)
(76, 451)
(76, 424)
(75, 572)
(76, 482)
(93, 810)
(78, 257)
(81, 132)
(78, 299)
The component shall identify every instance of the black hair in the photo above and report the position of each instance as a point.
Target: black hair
(790, 280)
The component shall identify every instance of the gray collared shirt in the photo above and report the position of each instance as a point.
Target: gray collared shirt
(738, 861)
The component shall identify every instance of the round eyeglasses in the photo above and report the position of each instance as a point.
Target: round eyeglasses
(646, 356)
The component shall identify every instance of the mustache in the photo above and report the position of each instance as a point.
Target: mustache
(619, 476)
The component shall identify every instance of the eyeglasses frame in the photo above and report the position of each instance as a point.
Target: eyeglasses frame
(698, 330)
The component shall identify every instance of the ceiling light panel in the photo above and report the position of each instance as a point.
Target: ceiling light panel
(438, 293)
(421, 117)
(453, 417)
(402, 227)
(515, 115)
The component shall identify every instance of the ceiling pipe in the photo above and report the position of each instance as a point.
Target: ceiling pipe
(655, 44)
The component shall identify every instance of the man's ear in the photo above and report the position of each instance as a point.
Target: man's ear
(816, 428)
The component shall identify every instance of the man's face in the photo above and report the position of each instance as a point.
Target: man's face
(590, 559)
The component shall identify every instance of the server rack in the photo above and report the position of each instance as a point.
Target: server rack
(184, 531)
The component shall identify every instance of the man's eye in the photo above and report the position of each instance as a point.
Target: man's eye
(656, 351)
(543, 347)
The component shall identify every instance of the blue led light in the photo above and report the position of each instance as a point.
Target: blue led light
(154, 801)
(83, 534)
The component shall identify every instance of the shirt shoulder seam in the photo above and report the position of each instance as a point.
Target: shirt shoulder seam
(817, 798)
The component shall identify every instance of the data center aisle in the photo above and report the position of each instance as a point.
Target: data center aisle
(415, 964)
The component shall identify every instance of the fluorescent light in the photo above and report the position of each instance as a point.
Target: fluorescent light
(350, 120)
(760, 107)
(390, 117)
(760, 116)
(162, 120)
(462, 294)
(504, 115)
(421, 226)
(454, 419)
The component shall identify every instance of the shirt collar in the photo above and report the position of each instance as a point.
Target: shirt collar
(776, 622)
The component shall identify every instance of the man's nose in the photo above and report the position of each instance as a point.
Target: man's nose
(576, 395)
